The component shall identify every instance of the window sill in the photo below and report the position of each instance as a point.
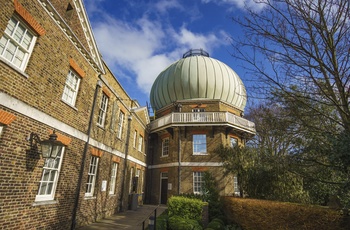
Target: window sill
(89, 197)
(164, 156)
(101, 126)
(14, 67)
(73, 107)
(44, 202)
(200, 154)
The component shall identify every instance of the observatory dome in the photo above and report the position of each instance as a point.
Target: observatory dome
(197, 76)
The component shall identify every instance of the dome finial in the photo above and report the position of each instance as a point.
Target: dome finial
(195, 52)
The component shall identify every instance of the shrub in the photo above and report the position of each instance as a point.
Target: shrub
(250, 213)
(179, 223)
(162, 221)
(216, 224)
(185, 207)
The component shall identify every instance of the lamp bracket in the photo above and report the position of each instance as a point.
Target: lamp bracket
(34, 139)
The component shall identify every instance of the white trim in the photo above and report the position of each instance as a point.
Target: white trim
(50, 196)
(23, 108)
(97, 65)
(187, 164)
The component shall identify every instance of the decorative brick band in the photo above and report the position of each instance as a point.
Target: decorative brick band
(116, 159)
(25, 15)
(96, 152)
(106, 91)
(199, 169)
(62, 138)
(6, 118)
(76, 68)
(165, 135)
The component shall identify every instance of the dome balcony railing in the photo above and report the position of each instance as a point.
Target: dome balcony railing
(202, 119)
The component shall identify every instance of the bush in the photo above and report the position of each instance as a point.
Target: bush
(249, 213)
(162, 221)
(216, 224)
(179, 223)
(185, 207)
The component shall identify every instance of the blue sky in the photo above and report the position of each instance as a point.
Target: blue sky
(140, 38)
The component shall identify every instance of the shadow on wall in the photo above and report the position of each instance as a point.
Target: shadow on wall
(32, 157)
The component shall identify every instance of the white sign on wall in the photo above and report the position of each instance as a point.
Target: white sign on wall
(104, 186)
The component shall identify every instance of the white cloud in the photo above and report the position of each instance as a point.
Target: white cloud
(146, 47)
(164, 5)
(255, 5)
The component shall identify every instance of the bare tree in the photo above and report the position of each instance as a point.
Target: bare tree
(298, 53)
(301, 48)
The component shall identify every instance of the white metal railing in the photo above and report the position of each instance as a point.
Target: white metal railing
(178, 119)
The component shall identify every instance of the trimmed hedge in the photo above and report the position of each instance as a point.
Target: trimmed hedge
(263, 214)
(187, 208)
(179, 223)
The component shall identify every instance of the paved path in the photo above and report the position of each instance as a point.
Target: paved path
(130, 220)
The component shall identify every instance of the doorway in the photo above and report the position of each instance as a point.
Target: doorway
(163, 188)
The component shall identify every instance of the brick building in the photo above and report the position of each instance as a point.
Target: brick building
(52, 78)
(199, 103)
(53, 81)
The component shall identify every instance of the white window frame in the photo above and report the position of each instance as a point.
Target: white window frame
(142, 179)
(71, 88)
(112, 183)
(140, 146)
(199, 144)
(92, 174)
(120, 124)
(15, 40)
(165, 147)
(135, 139)
(198, 182)
(103, 110)
(236, 186)
(130, 182)
(50, 166)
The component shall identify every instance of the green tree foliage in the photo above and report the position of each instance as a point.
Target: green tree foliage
(211, 195)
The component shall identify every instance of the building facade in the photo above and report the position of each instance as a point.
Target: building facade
(53, 80)
(199, 103)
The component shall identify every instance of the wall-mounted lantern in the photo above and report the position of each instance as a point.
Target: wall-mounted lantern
(49, 148)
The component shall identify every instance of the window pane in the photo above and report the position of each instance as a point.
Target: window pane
(11, 26)
(91, 176)
(198, 182)
(10, 51)
(71, 88)
(16, 44)
(27, 40)
(19, 58)
(3, 42)
(199, 144)
(49, 177)
(19, 33)
(165, 147)
(103, 110)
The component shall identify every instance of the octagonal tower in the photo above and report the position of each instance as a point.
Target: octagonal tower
(199, 103)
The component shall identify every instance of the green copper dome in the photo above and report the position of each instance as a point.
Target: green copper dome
(197, 76)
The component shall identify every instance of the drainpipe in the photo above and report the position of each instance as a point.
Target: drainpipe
(121, 201)
(179, 168)
(82, 164)
(179, 153)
